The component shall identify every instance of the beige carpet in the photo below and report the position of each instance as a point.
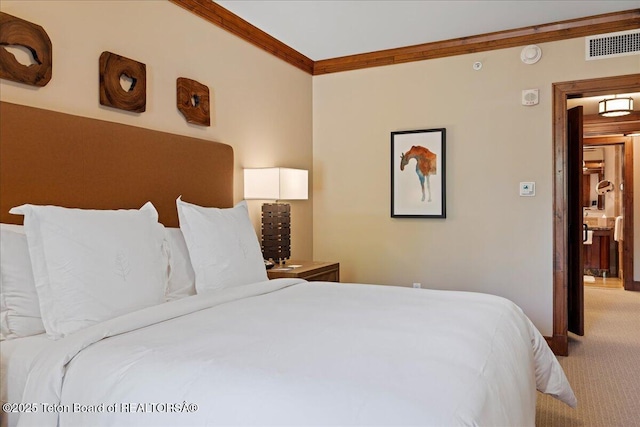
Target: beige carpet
(603, 366)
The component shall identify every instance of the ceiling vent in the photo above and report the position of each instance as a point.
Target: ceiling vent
(612, 45)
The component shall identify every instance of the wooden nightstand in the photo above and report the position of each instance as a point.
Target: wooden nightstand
(308, 270)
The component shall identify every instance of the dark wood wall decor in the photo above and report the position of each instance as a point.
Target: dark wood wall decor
(193, 101)
(18, 32)
(112, 94)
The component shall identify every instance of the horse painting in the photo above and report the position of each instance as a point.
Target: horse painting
(425, 165)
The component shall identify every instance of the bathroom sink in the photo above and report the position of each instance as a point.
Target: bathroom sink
(591, 221)
(598, 222)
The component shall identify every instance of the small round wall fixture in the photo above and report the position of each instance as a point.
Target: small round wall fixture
(531, 54)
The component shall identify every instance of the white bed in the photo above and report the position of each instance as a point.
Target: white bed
(149, 326)
(18, 355)
(287, 352)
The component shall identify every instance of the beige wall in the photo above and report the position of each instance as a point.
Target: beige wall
(260, 105)
(492, 240)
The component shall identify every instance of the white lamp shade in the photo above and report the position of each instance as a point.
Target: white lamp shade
(615, 107)
(276, 184)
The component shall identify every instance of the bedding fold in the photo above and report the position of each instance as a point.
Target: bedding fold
(44, 383)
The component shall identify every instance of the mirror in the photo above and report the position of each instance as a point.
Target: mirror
(602, 171)
(604, 186)
(593, 173)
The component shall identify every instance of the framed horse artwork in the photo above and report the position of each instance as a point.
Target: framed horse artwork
(418, 173)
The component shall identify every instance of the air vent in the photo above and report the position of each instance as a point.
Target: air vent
(612, 45)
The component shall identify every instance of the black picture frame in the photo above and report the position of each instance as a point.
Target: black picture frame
(418, 173)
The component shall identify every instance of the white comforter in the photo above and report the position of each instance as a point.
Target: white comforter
(288, 352)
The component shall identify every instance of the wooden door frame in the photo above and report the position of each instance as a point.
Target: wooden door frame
(559, 342)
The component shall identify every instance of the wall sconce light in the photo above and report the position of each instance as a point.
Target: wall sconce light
(276, 184)
(614, 107)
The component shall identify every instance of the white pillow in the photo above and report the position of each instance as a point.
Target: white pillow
(223, 245)
(93, 265)
(19, 309)
(182, 280)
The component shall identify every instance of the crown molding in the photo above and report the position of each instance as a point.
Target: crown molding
(607, 23)
(561, 30)
(221, 17)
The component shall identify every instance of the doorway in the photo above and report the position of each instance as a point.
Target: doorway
(562, 165)
(603, 206)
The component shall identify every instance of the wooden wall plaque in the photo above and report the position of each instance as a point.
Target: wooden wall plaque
(112, 94)
(193, 101)
(18, 32)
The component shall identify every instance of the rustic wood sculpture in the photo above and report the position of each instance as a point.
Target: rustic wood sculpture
(18, 32)
(193, 101)
(112, 94)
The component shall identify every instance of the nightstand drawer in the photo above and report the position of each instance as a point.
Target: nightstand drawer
(308, 270)
(328, 276)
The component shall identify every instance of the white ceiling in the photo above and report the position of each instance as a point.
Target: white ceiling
(324, 29)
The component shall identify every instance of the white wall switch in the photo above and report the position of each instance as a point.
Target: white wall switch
(528, 189)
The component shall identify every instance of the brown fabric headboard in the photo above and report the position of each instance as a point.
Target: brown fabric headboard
(51, 158)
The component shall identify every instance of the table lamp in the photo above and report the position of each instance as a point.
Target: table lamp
(276, 184)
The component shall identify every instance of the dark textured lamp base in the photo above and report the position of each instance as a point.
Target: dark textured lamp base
(276, 231)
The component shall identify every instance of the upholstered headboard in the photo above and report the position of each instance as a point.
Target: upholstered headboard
(53, 158)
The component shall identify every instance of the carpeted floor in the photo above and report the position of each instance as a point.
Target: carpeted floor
(603, 366)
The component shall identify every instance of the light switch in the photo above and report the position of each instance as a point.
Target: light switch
(528, 189)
